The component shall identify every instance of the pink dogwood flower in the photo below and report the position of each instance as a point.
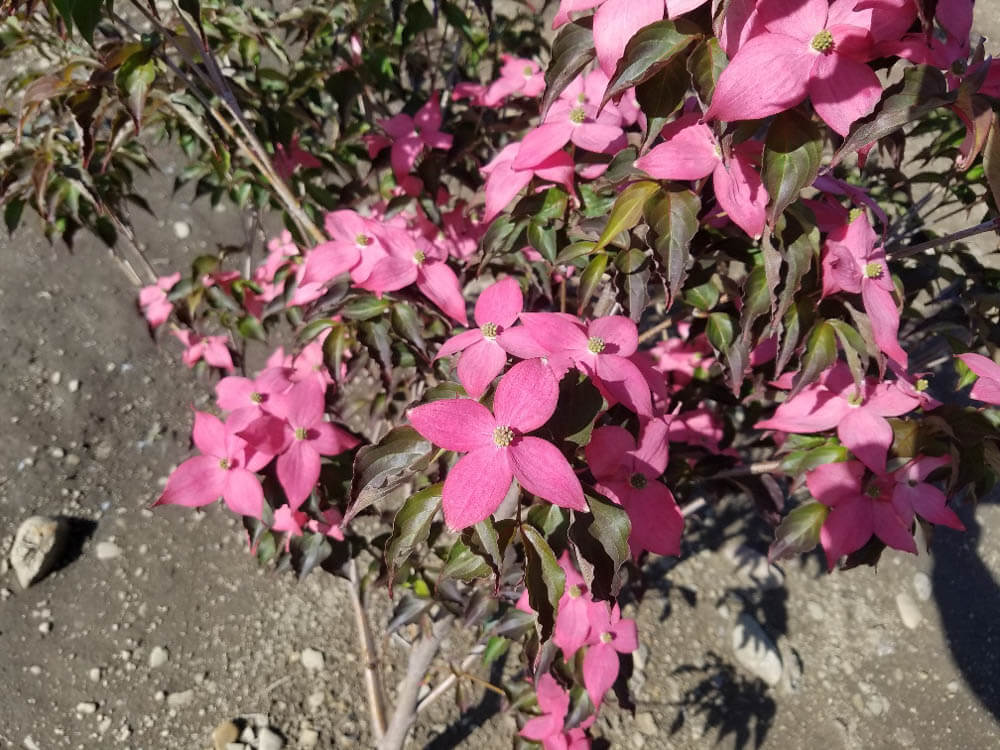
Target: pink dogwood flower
(553, 702)
(913, 495)
(628, 474)
(251, 397)
(355, 246)
(858, 266)
(600, 663)
(210, 348)
(497, 447)
(301, 437)
(807, 48)
(330, 525)
(288, 159)
(690, 151)
(409, 136)
(987, 387)
(223, 470)
(518, 75)
(601, 350)
(572, 119)
(153, 300)
(503, 181)
(483, 356)
(408, 261)
(289, 520)
(859, 417)
(572, 630)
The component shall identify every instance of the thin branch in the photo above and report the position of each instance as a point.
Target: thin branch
(445, 685)
(654, 331)
(373, 683)
(405, 713)
(761, 467)
(905, 252)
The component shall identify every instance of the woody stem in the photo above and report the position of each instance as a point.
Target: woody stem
(373, 682)
(905, 252)
(652, 332)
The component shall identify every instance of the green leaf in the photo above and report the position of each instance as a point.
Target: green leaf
(406, 323)
(672, 216)
(576, 250)
(705, 64)
(483, 539)
(133, 79)
(365, 308)
(922, 90)
(601, 539)
(12, 213)
(312, 550)
(464, 564)
(590, 278)
(720, 331)
(798, 258)
(798, 462)
(650, 49)
(572, 51)
(496, 647)
(251, 328)
(412, 526)
(84, 14)
(380, 469)
(543, 239)
(545, 580)
(660, 97)
(792, 154)
(854, 348)
(418, 20)
(627, 210)
(820, 353)
(314, 328)
(334, 346)
(798, 532)
(703, 297)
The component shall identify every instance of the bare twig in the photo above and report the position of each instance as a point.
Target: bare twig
(405, 712)
(445, 685)
(652, 332)
(373, 682)
(905, 252)
(761, 467)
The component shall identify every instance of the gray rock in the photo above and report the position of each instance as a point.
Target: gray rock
(224, 734)
(308, 738)
(183, 698)
(312, 659)
(108, 551)
(38, 544)
(752, 566)
(86, 708)
(922, 585)
(908, 610)
(267, 739)
(158, 657)
(645, 723)
(755, 651)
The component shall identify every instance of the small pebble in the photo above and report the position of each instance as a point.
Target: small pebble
(45, 628)
(182, 230)
(86, 708)
(183, 698)
(224, 734)
(94, 674)
(312, 659)
(158, 657)
(269, 740)
(55, 378)
(922, 585)
(108, 551)
(73, 386)
(909, 612)
(308, 738)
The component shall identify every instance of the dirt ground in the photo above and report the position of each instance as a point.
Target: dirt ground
(94, 416)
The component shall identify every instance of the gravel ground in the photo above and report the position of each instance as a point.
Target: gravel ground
(162, 628)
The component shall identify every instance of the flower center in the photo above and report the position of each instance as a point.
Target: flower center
(822, 42)
(595, 344)
(528, 71)
(637, 480)
(575, 592)
(855, 399)
(489, 330)
(606, 637)
(873, 270)
(912, 482)
(922, 385)
(577, 115)
(363, 239)
(854, 214)
(257, 398)
(874, 492)
(224, 464)
(419, 256)
(300, 433)
(503, 436)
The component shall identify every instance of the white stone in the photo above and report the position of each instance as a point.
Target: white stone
(158, 657)
(73, 386)
(38, 544)
(269, 740)
(922, 585)
(908, 610)
(108, 551)
(182, 230)
(312, 659)
(86, 708)
(183, 698)
(755, 651)
(308, 738)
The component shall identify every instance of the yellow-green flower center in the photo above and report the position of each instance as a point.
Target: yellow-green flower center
(922, 385)
(419, 256)
(822, 42)
(300, 433)
(489, 330)
(363, 240)
(503, 436)
(637, 480)
(607, 637)
(595, 344)
(575, 591)
(874, 491)
(855, 399)
(855, 213)
(577, 115)
(528, 71)
(224, 464)
(256, 397)
(873, 270)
